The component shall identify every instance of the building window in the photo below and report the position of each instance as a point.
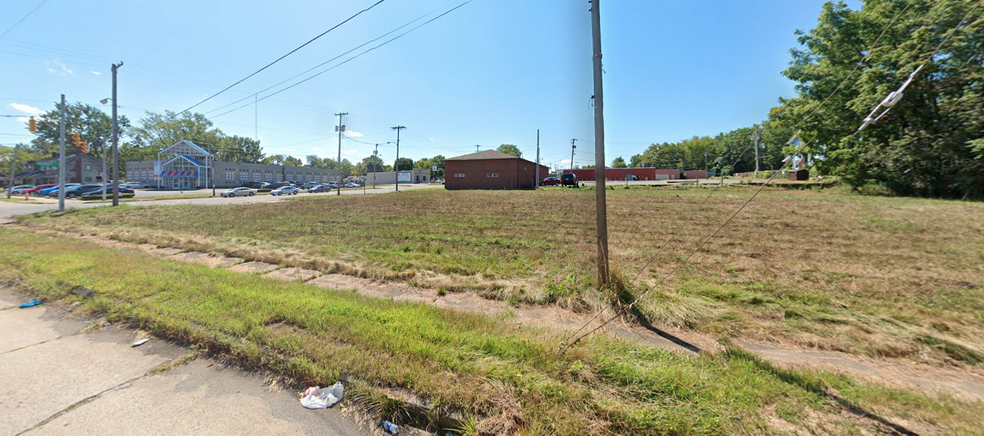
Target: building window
(492, 175)
(243, 176)
(88, 179)
(230, 176)
(459, 175)
(88, 167)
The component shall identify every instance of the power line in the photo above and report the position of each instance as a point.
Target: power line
(323, 63)
(5, 32)
(349, 59)
(282, 57)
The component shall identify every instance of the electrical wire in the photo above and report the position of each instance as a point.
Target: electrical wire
(683, 262)
(5, 32)
(284, 56)
(347, 60)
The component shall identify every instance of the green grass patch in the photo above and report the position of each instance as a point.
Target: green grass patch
(507, 378)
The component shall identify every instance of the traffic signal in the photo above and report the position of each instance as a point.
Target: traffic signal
(32, 125)
(84, 146)
(77, 139)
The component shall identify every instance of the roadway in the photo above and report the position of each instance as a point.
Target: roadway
(35, 205)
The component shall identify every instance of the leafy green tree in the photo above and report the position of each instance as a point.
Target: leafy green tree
(635, 161)
(922, 146)
(372, 164)
(619, 163)
(403, 164)
(276, 159)
(239, 149)
(159, 131)
(510, 149)
(292, 161)
(95, 127)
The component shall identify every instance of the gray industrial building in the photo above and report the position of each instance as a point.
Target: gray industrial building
(415, 175)
(185, 165)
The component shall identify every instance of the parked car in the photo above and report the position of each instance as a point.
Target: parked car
(47, 192)
(309, 185)
(334, 185)
(81, 190)
(568, 180)
(256, 185)
(36, 189)
(134, 185)
(276, 185)
(352, 185)
(239, 192)
(285, 190)
(319, 188)
(19, 190)
(550, 181)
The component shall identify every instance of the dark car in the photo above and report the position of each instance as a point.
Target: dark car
(568, 180)
(81, 190)
(319, 188)
(550, 181)
(256, 185)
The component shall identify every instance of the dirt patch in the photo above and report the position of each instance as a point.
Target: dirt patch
(288, 274)
(206, 259)
(961, 384)
(254, 267)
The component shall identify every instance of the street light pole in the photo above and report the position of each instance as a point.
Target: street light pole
(116, 148)
(340, 129)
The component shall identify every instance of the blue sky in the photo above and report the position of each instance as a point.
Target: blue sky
(491, 72)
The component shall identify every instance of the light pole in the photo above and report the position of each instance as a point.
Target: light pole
(116, 135)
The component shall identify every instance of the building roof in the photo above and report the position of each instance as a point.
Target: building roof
(486, 155)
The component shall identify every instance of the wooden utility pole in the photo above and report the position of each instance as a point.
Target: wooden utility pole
(536, 182)
(396, 163)
(116, 139)
(572, 152)
(340, 128)
(601, 205)
(61, 157)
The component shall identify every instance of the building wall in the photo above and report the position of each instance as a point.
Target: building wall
(696, 174)
(233, 174)
(417, 175)
(491, 174)
(620, 173)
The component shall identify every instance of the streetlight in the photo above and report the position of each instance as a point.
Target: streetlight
(105, 169)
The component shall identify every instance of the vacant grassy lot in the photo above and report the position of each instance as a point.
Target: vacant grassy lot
(503, 379)
(870, 275)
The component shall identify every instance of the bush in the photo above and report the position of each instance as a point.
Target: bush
(98, 196)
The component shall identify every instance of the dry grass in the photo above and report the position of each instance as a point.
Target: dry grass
(871, 275)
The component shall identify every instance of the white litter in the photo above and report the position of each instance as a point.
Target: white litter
(317, 398)
(140, 342)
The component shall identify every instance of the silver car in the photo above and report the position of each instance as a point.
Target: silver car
(288, 190)
(239, 192)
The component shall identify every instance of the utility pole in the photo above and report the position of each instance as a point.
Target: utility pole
(375, 162)
(397, 161)
(536, 182)
(105, 173)
(756, 137)
(61, 157)
(340, 128)
(256, 118)
(601, 205)
(116, 138)
(572, 152)
(13, 167)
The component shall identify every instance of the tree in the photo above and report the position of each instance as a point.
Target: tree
(159, 131)
(510, 149)
(438, 161)
(635, 161)
(921, 147)
(292, 161)
(276, 159)
(372, 163)
(403, 164)
(95, 127)
(619, 163)
(14, 157)
(239, 149)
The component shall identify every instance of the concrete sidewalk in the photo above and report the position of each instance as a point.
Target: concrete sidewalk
(69, 376)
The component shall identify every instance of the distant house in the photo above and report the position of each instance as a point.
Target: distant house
(643, 173)
(415, 175)
(80, 168)
(491, 169)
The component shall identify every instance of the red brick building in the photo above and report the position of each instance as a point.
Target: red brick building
(622, 173)
(490, 169)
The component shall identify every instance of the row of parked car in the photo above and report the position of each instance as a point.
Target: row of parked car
(72, 190)
(563, 180)
(284, 188)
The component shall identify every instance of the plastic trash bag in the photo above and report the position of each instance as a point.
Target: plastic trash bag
(317, 398)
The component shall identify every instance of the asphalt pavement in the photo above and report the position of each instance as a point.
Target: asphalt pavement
(71, 375)
(17, 207)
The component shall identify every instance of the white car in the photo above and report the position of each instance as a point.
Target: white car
(133, 185)
(239, 192)
(285, 190)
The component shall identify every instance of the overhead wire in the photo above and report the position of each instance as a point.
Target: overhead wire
(565, 345)
(346, 61)
(25, 17)
(284, 56)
